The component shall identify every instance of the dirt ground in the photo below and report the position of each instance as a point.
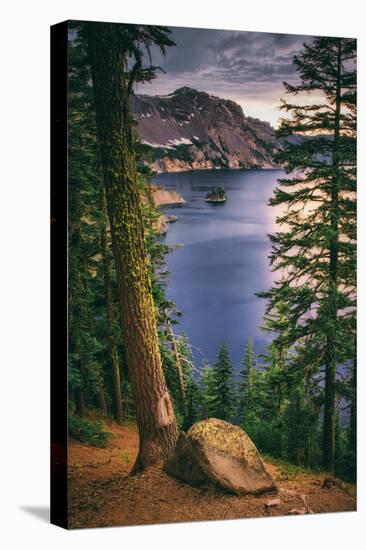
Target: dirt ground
(102, 494)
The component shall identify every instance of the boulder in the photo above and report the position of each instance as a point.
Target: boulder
(216, 452)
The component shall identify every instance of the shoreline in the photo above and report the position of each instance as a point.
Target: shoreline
(226, 169)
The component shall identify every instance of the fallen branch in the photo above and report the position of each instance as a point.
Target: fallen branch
(302, 497)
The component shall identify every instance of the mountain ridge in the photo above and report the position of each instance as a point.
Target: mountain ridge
(190, 129)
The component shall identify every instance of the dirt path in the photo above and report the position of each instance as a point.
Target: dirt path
(101, 493)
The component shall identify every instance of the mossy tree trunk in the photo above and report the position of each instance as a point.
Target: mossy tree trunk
(154, 411)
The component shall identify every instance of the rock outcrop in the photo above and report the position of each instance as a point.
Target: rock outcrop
(163, 197)
(162, 223)
(216, 452)
(189, 130)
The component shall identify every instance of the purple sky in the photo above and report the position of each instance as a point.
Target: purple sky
(247, 67)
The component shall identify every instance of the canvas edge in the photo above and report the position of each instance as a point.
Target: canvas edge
(58, 72)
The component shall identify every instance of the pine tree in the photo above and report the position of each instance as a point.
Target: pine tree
(316, 253)
(258, 420)
(207, 389)
(246, 375)
(193, 402)
(90, 270)
(223, 402)
(86, 382)
(300, 417)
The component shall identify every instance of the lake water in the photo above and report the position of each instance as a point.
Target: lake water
(224, 258)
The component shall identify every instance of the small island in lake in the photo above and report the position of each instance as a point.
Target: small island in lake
(216, 195)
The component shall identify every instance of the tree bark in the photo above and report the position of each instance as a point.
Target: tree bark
(101, 398)
(113, 350)
(330, 365)
(154, 411)
(79, 402)
(308, 451)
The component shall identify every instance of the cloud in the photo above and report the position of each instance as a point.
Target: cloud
(247, 67)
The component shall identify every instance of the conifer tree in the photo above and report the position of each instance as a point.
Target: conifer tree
(258, 419)
(85, 375)
(316, 250)
(207, 389)
(223, 402)
(90, 271)
(300, 417)
(193, 402)
(246, 375)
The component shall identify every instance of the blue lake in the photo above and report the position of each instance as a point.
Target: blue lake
(224, 258)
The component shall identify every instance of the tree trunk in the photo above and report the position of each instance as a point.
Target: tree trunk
(330, 365)
(113, 350)
(329, 412)
(154, 411)
(102, 405)
(308, 451)
(79, 402)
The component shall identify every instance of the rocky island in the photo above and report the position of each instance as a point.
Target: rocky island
(216, 195)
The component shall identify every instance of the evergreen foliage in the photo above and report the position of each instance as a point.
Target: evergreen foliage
(316, 250)
(246, 376)
(88, 432)
(207, 390)
(223, 402)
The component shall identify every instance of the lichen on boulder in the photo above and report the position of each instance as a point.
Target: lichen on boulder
(218, 453)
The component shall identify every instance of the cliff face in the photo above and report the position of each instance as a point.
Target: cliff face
(162, 197)
(189, 130)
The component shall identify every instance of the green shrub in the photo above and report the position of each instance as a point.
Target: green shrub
(88, 432)
(286, 471)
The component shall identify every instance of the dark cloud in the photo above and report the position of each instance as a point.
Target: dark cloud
(248, 67)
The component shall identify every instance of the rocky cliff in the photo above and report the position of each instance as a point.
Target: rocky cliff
(163, 197)
(189, 130)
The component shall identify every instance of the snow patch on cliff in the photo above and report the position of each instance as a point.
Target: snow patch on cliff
(156, 145)
(181, 141)
(172, 143)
